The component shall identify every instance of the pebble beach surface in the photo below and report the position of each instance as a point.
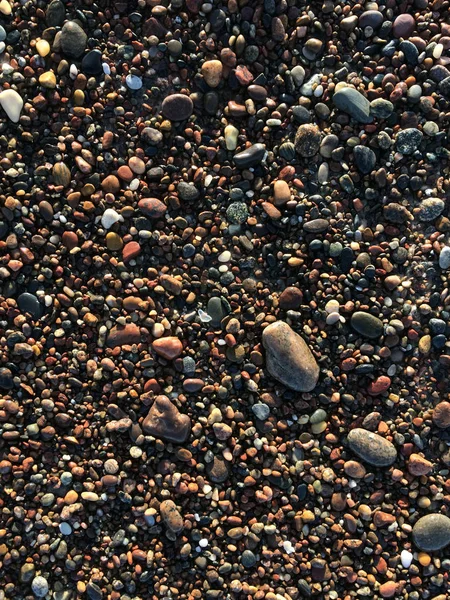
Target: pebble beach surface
(224, 299)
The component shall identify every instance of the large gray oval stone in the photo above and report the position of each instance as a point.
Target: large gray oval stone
(366, 324)
(371, 447)
(354, 104)
(432, 532)
(288, 358)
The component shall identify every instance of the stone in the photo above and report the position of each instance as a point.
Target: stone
(408, 140)
(217, 309)
(365, 159)
(130, 251)
(353, 103)
(396, 213)
(12, 104)
(124, 336)
(171, 516)
(261, 411)
(111, 184)
(73, 40)
(43, 48)
(291, 298)
(366, 324)
(133, 82)
(231, 134)
(388, 589)
(281, 192)
(48, 80)
(288, 358)
(61, 174)
(430, 209)
(217, 470)
(432, 532)
(237, 213)
(39, 586)
(381, 108)
(28, 303)
(92, 63)
(187, 191)
(168, 347)
(371, 18)
(152, 208)
(403, 26)
(165, 421)
(6, 379)
(307, 140)
(177, 107)
(371, 447)
(212, 72)
(441, 415)
(316, 226)
(113, 241)
(110, 217)
(250, 157)
(418, 465)
(55, 13)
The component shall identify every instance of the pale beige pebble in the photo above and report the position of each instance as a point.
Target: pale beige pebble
(231, 137)
(212, 72)
(12, 104)
(48, 80)
(5, 8)
(42, 47)
(281, 192)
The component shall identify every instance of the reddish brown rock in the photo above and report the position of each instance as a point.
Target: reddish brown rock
(130, 251)
(380, 385)
(69, 240)
(124, 336)
(291, 298)
(171, 516)
(441, 415)
(152, 208)
(418, 465)
(168, 347)
(125, 173)
(383, 519)
(165, 421)
(388, 589)
(111, 184)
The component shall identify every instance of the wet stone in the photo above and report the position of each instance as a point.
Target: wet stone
(371, 447)
(28, 303)
(432, 532)
(92, 63)
(250, 157)
(366, 324)
(73, 40)
(353, 103)
(166, 422)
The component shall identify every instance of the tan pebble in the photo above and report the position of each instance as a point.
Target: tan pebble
(281, 192)
(424, 559)
(71, 497)
(43, 47)
(48, 80)
(212, 72)
(78, 97)
(5, 8)
(113, 241)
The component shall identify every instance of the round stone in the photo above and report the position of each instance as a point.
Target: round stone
(177, 107)
(366, 324)
(307, 140)
(371, 447)
(39, 586)
(432, 532)
(73, 40)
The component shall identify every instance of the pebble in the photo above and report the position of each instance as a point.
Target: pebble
(366, 324)
(371, 447)
(177, 107)
(288, 358)
(39, 586)
(432, 532)
(12, 104)
(171, 516)
(353, 103)
(166, 422)
(250, 157)
(307, 140)
(430, 209)
(73, 39)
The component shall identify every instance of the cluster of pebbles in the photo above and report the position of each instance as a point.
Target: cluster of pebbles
(224, 299)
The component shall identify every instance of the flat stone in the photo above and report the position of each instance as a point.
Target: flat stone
(432, 532)
(365, 159)
(124, 336)
(187, 191)
(6, 379)
(418, 465)
(92, 63)
(177, 107)
(288, 358)
(353, 103)
(168, 347)
(55, 13)
(217, 470)
(381, 108)
(212, 72)
(130, 251)
(250, 157)
(165, 421)
(291, 298)
(366, 324)
(281, 192)
(441, 415)
(73, 40)
(371, 447)
(217, 309)
(171, 516)
(403, 26)
(316, 226)
(12, 104)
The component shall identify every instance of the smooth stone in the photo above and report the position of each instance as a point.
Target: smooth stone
(410, 52)
(298, 75)
(365, 159)
(6, 379)
(381, 108)
(316, 226)
(408, 140)
(217, 309)
(61, 174)
(291, 298)
(371, 447)
(168, 347)
(171, 516)
(187, 191)
(353, 103)
(110, 217)
(2, 34)
(92, 63)
(30, 304)
(307, 140)
(281, 192)
(177, 107)
(165, 421)
(403, 26)
(55, 13)
(152, 208)
(134, 82)
(432, 532)
(366, 324)
(217, 470)
(430, 209)
(12, 104)
(43, 47)
(73, 40)
(371, 18)
(261, 411)
(48, 80)
(39, 586)
(444, 258)
(250, 157)
(231, 137)
(288, 358)
(212, 72)
(124, 336)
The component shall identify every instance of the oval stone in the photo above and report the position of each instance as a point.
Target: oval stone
(432, 532)
(371, 447)
(288, 358)
(366, 324)
(177, 107)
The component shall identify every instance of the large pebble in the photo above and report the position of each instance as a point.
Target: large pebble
(171, 516)
(430, 209)
(366, 324)
(307, 140)
(288, 358)
(371, 447)
(353, 103)
(177, 107)
(212, 72)
(12, 104)
(165, 421)
(432, 532)
(250, 157)
(73, 40)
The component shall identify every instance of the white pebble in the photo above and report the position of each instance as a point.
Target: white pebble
(134, 184)
(437, 51)
(12, 104)
(110, 216)
(224, 257)
(73, 71)
(106, 69)
(406, 558)
(332, 306)
(203, 543)
(2, 47)
(204, 317)
(333, 318)
(133, 82)
(287, 545)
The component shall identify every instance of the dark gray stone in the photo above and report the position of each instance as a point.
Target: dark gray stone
(371, 447)
(353, 103)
